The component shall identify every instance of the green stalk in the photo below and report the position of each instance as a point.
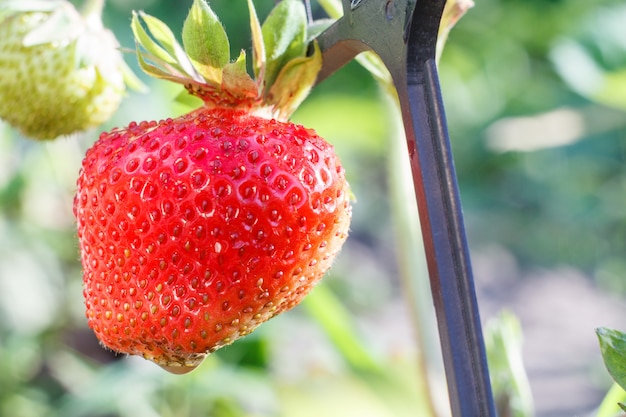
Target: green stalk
(332, 8)
(91, 11)
(334, 318)
(609, 406)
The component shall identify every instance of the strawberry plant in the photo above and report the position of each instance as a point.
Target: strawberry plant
(195, 230)
(61, 71)
(613, 348)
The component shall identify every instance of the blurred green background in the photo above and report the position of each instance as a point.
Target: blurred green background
(535, 93)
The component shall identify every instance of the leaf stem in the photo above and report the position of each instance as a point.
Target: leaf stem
(609, 405)
(332, 8)
(333, 317)
(92, 12)
(309, 11)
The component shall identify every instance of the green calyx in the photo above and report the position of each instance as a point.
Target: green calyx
(283, 66)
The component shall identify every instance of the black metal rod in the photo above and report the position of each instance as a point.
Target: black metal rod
(446, 246)
(404, 35)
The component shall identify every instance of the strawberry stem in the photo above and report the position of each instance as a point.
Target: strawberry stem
(309, 11)
(332, 8)
(92, 12)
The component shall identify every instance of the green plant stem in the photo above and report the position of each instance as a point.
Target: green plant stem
(510, 386)
(608, 407)
(332, 8)
(333, 317)
(92, 12)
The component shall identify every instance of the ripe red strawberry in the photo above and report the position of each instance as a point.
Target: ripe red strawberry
(193, 231)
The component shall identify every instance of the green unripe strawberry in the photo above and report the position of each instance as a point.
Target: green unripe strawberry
(60, 71)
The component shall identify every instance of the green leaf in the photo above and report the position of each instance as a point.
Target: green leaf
(166, 38)
(336, 322)
(165, 50)
(131, 79)
(294, 83)
(591, 60)
(189, 100)
(236, 80)
(613, 90)
(161, 33)
(511, 389)
(613, 348)
(258, 45)
(452, 12)
(284, 36)
(205, 41)
(143, 39)
(315, 28)
(157, 72)
(333, 8)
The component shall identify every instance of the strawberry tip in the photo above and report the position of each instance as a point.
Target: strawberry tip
(179, 369)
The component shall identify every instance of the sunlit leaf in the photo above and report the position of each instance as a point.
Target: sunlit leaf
(189, 100)
(294, 82)
(167, 49)
(147, 43)
(258, 46)
(131, 79)
(317, 27)
(613, 348)
(236, 79)
(205, 41)
(284, 35)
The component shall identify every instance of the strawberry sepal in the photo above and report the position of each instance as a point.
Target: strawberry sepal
(283, 72)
